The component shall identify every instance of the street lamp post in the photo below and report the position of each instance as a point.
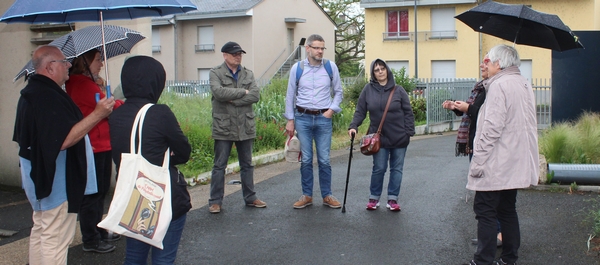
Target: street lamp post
(173, 21)
(416, 46)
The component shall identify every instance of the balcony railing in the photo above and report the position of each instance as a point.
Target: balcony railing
(205, 47)
(155, 48)
(422, 35)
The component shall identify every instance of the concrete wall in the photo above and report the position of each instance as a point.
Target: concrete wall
(466, 50)
(262, 34)
(15, 51)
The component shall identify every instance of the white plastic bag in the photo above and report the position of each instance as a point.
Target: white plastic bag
(291, 150)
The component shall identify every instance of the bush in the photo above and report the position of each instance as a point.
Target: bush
(419, 108)
(575, 143)
(352, 92)
(401, 78)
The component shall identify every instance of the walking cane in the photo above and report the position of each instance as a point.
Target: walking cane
(348, 174)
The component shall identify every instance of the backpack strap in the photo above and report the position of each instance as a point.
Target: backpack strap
(326, 64)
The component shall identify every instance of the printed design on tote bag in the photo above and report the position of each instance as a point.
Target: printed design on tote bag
(143, 211)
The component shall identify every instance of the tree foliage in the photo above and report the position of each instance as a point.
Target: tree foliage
(349, 35)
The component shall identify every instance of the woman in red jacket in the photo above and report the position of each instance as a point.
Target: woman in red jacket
(83, 85)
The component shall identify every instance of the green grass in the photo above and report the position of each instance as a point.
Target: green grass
(195, 117)
(573, 142)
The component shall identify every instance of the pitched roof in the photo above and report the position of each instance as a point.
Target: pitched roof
(220, 9)
(223, 6)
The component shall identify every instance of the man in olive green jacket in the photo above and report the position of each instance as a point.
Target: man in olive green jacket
(233, 93)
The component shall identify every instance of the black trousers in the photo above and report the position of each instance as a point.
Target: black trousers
(92, 206)
(490, 206)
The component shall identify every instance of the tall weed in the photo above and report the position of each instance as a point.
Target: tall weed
(573, 142)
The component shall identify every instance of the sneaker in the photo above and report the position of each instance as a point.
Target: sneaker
(373, 204)
(215, 208)
(303, 202)
(331, 202)
(111, 237)
(393, 206)
(257, 203)
(99, 247)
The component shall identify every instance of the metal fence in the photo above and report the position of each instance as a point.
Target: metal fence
(434, 90)
(202, 87)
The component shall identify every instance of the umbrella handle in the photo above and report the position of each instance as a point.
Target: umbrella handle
(108, 89)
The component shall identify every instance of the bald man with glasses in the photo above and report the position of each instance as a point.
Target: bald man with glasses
(54, 150)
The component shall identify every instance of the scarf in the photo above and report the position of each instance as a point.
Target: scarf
(45, 116)
(462, 139)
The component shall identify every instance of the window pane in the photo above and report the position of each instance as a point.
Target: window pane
(443, 69)
(404, 22)
(442, 22)
(392, 23)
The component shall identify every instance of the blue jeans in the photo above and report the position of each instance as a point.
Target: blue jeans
(315, 128)
(136, 252)
(395, 156)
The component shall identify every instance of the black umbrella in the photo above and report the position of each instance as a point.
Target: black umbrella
(521, 25)
(117, 40)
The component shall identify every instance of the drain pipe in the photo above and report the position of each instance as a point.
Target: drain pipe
(580, 173)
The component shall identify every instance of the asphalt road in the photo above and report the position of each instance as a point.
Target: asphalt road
(434, 227)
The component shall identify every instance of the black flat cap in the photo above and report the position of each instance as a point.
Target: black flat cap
(232, 47)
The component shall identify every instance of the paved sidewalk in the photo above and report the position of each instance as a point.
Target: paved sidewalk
(434, 227)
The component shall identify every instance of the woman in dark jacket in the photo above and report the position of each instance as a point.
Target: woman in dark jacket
(143, 80)
(469, 110)
(398, 127)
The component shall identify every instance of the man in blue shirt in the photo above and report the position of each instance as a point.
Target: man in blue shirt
(54, 150)
(309, 108)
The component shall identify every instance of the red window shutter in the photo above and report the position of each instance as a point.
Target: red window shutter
(404, 22)
(392, 24)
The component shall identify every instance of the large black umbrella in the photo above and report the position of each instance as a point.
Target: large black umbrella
(521, 25)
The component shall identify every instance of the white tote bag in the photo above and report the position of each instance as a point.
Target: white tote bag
(141, 206)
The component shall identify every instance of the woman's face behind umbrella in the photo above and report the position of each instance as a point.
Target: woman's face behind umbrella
(96, 64)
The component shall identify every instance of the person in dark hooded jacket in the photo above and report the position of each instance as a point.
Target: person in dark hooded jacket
(143, 80)
(398, 127)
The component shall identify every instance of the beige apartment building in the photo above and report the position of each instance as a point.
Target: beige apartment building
(446, 47)
(189, 45)
(268, 30)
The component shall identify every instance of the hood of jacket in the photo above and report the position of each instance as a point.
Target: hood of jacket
(390, 77)
(142, 78)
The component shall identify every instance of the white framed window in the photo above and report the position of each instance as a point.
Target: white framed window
(397, 24)
(397, 65)
(155, 40)
(203, 74)
(443, 23)
(206, 39)
(443, 69)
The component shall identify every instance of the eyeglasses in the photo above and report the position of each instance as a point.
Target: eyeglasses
(237, 54)
(318, 48)
(64, 61)
(382, 70)
(486, 60)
